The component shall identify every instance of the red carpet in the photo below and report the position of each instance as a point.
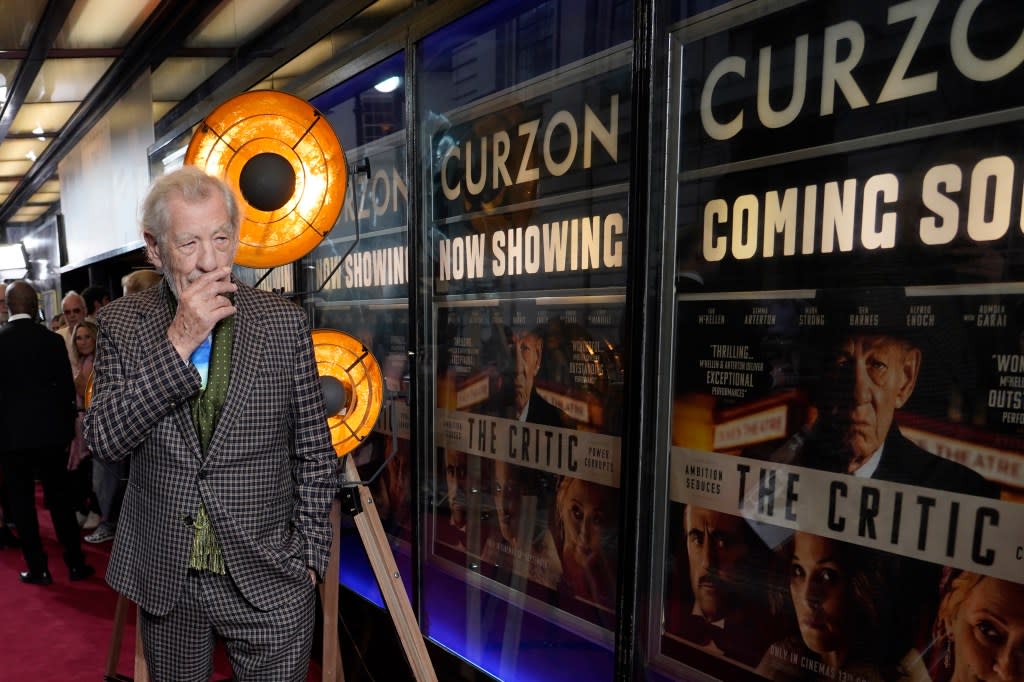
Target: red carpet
(62, 632)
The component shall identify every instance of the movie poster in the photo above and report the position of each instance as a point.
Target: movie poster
(847, 447)
(782, 403)
(529, 421)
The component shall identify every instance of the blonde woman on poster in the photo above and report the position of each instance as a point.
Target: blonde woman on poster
(980, 630)
(586, 526)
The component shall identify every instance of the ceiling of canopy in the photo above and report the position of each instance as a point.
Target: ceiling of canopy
(64, 63)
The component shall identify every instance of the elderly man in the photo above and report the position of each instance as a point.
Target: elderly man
(210, 387)
(74, 309)
(870, 371)
(528, 349)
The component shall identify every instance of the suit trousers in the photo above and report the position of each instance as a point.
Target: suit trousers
(21, 469)
(261, 645)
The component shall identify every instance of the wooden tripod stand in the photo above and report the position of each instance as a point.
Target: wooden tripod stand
(359, 503)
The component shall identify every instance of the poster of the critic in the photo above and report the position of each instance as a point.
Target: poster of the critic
(550, 369)
(858, 382)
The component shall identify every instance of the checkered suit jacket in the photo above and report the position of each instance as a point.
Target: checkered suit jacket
(269, 476)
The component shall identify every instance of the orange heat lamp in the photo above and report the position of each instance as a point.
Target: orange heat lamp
(352, 385)
(283, 158)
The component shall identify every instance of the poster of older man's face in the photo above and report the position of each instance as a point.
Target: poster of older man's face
(871, 382)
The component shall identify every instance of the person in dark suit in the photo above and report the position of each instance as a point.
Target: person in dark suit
(37, 421)
(871, 366)
(210, 387)
(528, 346)
(719, 603)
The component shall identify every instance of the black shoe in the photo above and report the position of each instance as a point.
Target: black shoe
(36, 577)
(81, 572)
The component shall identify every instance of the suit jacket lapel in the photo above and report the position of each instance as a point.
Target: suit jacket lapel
(156, 318)
(246, 359)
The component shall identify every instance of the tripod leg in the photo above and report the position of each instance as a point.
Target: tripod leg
(141, 670)
(371, 531)
(114, 652)
(332, 670)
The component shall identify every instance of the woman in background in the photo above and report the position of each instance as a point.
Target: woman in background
(586, 515)
(980, 629)
(79, 461)
(838, 596)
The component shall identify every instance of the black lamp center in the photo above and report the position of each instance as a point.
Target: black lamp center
(267, 181)
(334, 394)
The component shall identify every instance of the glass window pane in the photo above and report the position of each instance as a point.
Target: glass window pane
(358, 276)
(845, 404)
(524, 111)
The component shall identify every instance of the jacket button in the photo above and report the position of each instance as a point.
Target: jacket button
(188, 520)
(202, 475)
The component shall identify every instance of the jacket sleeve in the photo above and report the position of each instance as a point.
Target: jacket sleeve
(314, 463)
(132, 391)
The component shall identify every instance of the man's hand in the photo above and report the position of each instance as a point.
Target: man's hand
(312, 576)
(201, 305)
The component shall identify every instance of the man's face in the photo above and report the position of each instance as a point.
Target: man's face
(528, 350)
(455, 463)
(716, 548)
(868, 378)
(74, 310)
(200, 239)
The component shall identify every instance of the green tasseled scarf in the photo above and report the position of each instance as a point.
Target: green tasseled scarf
(206, 406)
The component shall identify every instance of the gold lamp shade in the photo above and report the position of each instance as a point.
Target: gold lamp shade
(352, 384)
(283, 159)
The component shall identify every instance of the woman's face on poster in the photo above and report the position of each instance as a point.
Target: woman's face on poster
(818, 586)
(988, 633)
(584, 520)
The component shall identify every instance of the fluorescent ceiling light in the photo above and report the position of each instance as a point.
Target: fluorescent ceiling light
(388, 84)
(12, 257)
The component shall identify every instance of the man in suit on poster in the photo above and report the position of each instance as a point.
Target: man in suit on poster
(210, 387)
(871, 366)
(528, 347)
(37, 423)
(723, 612)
